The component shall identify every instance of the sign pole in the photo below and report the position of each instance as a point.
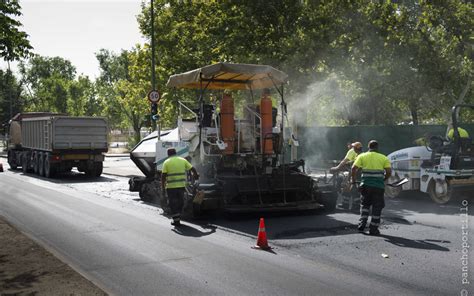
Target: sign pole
(153, 77)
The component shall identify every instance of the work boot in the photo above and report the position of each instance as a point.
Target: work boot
(176, 223)
(361, 226)
(374, 231)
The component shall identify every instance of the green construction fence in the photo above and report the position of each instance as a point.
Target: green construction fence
(320, 144)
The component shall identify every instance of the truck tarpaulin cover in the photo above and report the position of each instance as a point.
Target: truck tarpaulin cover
(229, 76)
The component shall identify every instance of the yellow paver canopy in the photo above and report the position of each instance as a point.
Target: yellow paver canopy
(229, 76)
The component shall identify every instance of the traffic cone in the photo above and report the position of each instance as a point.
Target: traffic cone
(262, 243)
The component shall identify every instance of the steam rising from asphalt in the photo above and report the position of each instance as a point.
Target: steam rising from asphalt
(322, 103)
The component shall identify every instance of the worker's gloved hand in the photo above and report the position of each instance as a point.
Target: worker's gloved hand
(196, 176)
(333, 170)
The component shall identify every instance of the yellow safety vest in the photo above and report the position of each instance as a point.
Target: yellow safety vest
(175, 169)
(351, 155)
(373, 165)
(462, 133)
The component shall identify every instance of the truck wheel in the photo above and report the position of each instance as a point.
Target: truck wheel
(40, 164)
(25, 162)
(439, 192)
(49, 168)
(11, 160)
(35, 162)
(98, 169)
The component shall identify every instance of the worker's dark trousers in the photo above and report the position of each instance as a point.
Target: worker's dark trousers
(176, 202)
(371, 197)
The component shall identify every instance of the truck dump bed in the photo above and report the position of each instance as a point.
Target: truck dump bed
(52, 133)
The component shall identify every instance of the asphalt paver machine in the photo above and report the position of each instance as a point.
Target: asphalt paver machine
(237, 137)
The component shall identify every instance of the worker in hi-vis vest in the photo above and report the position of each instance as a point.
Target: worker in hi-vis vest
(349, 193)
(354, 150)
(376, 170)
(462, 133)
(173, 179)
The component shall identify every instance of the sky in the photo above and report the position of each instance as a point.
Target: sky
(76, 29)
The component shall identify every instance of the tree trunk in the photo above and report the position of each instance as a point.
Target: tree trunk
(137, 134)
(414, 116)
(414, 112)
(136, 127)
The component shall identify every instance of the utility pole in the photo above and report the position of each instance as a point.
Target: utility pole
(153, 77)
(154, 109)
(9, 89)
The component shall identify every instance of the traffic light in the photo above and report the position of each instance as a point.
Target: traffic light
(154, 111)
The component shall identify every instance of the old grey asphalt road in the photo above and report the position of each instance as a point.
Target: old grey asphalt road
(132, 250)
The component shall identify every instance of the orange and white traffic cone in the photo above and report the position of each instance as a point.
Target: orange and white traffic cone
(262, 243)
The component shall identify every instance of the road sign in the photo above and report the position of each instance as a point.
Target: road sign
(154, 96)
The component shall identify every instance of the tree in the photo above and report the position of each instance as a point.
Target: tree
(113, 68)
(190, 35)
(13, 42)
(48, 80)
(10, 89)
(123, 85)
(378, 62)
(82, 98)
(52, 86)
(14, 45)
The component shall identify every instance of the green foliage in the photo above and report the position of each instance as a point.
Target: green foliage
(378, 62)
(349, 62)
(82, 98)
(13, 42)
(10, 93)
(123, 87)
(52, 86)
(48, 81)
(132, 142)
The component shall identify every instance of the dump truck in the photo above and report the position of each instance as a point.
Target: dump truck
(442, 168)
(48, 143)
(239, 143)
